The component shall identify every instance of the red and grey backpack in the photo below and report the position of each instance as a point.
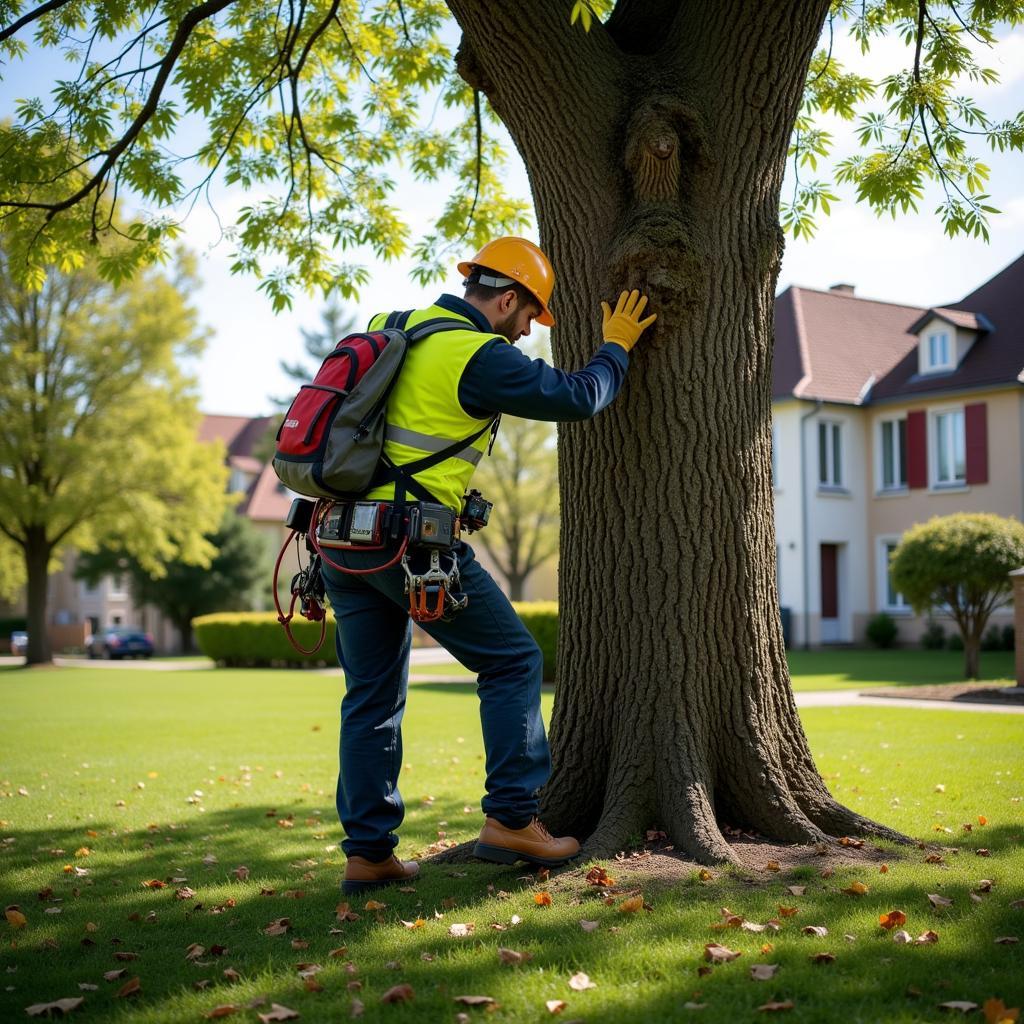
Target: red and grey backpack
(331, 442)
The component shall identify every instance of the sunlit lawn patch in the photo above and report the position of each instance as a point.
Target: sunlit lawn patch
(237, 771)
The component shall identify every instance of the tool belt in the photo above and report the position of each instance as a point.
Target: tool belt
(418, 526)
(372, 525)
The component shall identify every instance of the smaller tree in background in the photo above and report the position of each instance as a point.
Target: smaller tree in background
(521, 478)
(961, 562)
(184, 591)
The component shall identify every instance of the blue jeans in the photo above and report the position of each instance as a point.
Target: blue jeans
(374, 637)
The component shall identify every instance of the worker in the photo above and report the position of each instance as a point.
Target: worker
(452, 386)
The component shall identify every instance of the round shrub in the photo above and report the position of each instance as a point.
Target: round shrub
(882, 630)
(1009, 638)
(934, 637)
(954, 642)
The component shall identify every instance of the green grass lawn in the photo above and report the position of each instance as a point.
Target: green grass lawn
(132, 776)
(850, 669)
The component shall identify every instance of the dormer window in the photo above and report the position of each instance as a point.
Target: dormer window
(939, 351)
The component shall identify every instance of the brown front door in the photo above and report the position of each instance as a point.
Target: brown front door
(829, 591)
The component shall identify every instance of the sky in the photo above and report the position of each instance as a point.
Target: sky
(907, 260)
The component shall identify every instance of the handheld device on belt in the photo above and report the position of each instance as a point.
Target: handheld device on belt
(434, 593)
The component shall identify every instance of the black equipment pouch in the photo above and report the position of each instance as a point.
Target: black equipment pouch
(432, 526)
(476, 511)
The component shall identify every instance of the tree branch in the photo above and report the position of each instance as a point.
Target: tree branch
(27, 19)
(188, 23)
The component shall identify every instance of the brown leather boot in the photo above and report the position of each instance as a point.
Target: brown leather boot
(533, 843)
(362, 874)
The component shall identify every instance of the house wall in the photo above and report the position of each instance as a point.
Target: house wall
(891, 513)
(788, 536)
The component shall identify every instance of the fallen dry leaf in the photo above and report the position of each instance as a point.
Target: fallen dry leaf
(822, 958)
(556, 1005)
(542, 899)
(241, 872)
(996, 1012)
(308, 970)
(339, 952)
(856, 889)
(797, 890)
(132, 987)
(59, 1006)
(474, 1000)
(418, 923)
(356, 1008)
(184, 893)
(398, 994)
(15, 918)
(985, 885)
(772, 865)
(300, 944)
(115, 975)
(938, 901)
(599, 877)
(788, 911)
(311, 984)
(232, 975)
(342, 913)
(883, 869)
(277, 1012)
(902, 937)
(1007, 940)
(460, 931)
(982, 820)
(716, 954)
(847, 841)
(195, 951)
(819, 931)
(935, 858)
(590, 926)
(155, 883)
(959, 1005)
(982, 852)
(775, 1007)
(511, 956)
(763, 972)
(927, 938)
(221, 1011)
(632, 905)
(278, 927)
(892, 920)
(705, 875)
(126, 956)
(580, 982)
(374, 905)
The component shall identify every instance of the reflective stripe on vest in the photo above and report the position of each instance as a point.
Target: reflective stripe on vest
(424, 415)
(427, 443)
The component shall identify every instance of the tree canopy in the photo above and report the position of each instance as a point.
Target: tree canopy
(98, 424)
(311, 107)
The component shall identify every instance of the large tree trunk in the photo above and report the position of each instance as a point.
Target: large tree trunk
(656, 147)
(37, 570)
(972, 658)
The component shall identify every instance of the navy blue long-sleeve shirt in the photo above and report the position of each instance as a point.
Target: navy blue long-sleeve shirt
(501, 379)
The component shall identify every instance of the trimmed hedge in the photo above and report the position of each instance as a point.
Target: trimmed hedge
(541, 619)
(12, 625)
(248, 639)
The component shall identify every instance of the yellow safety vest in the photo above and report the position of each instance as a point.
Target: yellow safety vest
(424, 415)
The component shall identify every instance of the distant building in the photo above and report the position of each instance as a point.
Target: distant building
(884, 416)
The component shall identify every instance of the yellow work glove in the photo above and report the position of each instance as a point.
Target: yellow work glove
(624, 326)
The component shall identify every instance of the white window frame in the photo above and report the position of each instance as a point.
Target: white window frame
(902, 606)
(834, 440)
(900, 470)
(935, 428)
(932, 338)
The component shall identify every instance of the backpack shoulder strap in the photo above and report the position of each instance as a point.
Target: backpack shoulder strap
(436, 326)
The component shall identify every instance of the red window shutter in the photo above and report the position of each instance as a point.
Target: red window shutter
(976, 429)
(917, 448)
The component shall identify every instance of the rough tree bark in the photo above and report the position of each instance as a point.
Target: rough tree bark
(655, 147)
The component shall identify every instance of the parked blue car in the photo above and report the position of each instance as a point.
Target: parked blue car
(120, 642)
(19, 642)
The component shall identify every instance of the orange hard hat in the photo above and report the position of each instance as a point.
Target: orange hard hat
(521, 261)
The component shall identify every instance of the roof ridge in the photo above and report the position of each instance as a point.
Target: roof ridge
(858, 298)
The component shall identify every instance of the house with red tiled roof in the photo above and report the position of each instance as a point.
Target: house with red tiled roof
(885, 415)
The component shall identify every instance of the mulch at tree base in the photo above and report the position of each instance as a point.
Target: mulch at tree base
(973, 693)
